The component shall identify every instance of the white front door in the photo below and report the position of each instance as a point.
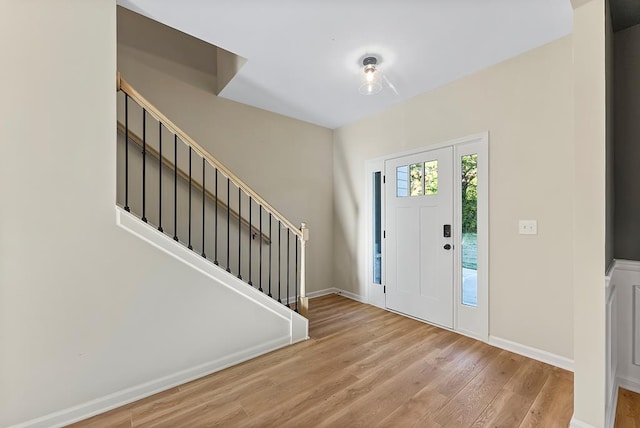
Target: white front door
(419, 235)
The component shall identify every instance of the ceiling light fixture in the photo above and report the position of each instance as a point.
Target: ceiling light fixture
(371, 83)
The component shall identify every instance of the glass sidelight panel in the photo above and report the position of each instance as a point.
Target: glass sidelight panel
(377, 227)
(469, 204)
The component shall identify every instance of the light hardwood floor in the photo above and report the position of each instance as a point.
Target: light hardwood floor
(365, 367)
(628, 410)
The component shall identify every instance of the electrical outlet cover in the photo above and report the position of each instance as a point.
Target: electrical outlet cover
(528, 227)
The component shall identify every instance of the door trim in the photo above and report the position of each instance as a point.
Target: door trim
(373, 290)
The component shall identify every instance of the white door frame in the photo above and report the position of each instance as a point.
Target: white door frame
(374, 296)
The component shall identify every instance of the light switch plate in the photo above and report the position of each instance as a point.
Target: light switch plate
(528, 227)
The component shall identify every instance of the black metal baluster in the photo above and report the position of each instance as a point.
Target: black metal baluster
(270, 251)
(190, 246)
(260, 243)
(215, 224)
(160, 177)
(175, 187)
(204, 200)
(239, 230)
(144, 164)
(288, 259)
(126, 153)
(250, 238)
(228, 232)
(279, 262)
(296, 277)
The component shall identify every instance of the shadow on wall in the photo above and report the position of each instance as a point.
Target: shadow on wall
(346, 215)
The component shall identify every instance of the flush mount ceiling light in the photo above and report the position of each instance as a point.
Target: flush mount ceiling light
(371, 82)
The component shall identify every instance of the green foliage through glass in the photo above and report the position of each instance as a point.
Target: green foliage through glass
(470, 193)
(431, 177)
(469, 197)
(415, 171)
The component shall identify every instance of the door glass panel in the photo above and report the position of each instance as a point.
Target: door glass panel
(416, 172)
(377, 228)
(402, 181)
(469, 164)
(417, 179)
(431, 177)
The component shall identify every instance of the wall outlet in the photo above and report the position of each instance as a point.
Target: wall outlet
(528, 227)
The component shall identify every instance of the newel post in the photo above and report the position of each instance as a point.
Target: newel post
(304, 301)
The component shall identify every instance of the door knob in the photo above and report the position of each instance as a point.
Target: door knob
(447, 246)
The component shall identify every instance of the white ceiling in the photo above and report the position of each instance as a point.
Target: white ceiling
(304, 56)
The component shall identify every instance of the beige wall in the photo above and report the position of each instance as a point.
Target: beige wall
(87, 309)
(590, 211)
(526, 105)
(288, 162)
(85, 305)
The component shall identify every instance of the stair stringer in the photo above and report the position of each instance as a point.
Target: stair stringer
(299, 326)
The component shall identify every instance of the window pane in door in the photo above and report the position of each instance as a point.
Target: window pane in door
(402, 181)
(377, 228)
(431, 177)
(417, 175)
(469, 196)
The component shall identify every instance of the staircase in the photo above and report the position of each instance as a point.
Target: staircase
(171, 183)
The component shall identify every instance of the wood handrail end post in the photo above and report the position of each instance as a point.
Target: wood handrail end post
(303, 306)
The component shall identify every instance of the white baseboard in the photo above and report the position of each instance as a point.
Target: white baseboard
(534, 353)
(576, 423)
(630, 384)
(339, 291)
(352, 296)
(320, 293)
(95, 407)
(527, 351)
(298, 331)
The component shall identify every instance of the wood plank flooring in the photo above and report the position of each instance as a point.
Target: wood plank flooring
(365, 367)
(628, 410)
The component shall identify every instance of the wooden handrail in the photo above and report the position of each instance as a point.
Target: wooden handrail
(137, 97)
(134, 138)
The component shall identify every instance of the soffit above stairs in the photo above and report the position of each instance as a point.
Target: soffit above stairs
(180, 54)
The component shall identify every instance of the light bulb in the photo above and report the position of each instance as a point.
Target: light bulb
(370, 73)
(371, 83)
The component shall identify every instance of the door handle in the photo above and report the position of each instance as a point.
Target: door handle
(447, 246)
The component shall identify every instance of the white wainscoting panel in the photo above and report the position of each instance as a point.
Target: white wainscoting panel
(626, 280)
(612, 350)
(636, 325)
